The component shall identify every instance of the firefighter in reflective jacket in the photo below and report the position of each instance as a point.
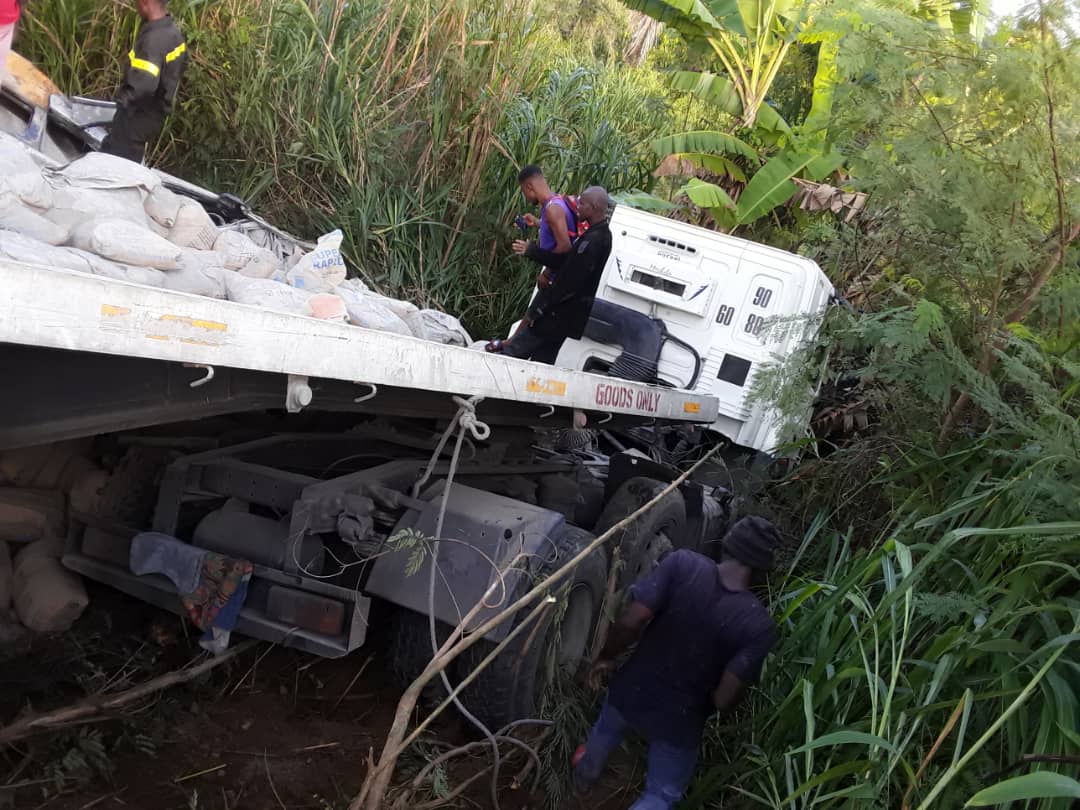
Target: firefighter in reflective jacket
(155, 65)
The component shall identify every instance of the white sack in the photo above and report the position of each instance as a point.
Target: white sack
(14, 216)
(74, 206)
(21, 248)
(162, 206)
(443, 328)
(323, 269)
(193, 227)
(102, 171)
(24, 249)
(268, 294)
(409, 313)
(370, 312)
(201, 272)
(30, 188)
(147, 276)
(15, 156)
(127, 243)
(244, 256)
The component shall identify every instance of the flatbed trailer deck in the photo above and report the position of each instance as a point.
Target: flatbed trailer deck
(91, 355)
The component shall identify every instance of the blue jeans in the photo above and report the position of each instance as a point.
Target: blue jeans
(670, 767)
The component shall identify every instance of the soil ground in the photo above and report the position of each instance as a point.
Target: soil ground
(275, 729)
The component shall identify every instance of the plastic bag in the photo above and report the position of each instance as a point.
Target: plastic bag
(103, 171)
(201, 272)
(20, 218)
(327, 307)
(443, 328)
(128, 243)
(321, 270)
(409, 313)
(244, 256)
(146, 276)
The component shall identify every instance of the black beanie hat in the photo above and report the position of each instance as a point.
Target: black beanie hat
(752, 541)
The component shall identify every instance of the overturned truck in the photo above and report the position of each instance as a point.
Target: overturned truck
(354, 475)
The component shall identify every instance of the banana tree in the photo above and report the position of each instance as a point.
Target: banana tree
(750, 38)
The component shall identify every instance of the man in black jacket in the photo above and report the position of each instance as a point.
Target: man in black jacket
(146, 96)
(564, 310)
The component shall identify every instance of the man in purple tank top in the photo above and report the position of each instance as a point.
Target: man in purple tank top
(556, 223)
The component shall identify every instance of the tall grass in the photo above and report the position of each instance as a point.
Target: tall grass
(403, 123)
(923, 664)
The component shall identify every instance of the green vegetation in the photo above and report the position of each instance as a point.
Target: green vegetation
(931, 612)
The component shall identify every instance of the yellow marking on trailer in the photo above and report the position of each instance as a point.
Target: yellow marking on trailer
(113, 311)
(691, 407)
(159, 337)
(198, 323)
(554, 388)
(196, 342)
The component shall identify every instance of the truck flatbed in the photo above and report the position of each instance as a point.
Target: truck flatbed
(122, 355)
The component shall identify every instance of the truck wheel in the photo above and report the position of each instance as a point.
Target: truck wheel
(642, 543)
(410, 652)
(512, 686)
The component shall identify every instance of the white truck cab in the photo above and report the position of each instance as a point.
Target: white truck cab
(714, 293)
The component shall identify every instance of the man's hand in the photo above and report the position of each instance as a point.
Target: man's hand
(520, 246)
(543, 279)
(530, 220)
(496, 346)
(598, 673)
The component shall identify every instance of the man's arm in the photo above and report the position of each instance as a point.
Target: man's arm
(743, 669)
(555, 216)
(143, 74)
(728, 693)
(624, 633)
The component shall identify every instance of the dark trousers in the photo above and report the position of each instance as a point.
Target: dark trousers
(529, 344)
(131, 131)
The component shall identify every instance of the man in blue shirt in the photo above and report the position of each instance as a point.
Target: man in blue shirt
(702, 637)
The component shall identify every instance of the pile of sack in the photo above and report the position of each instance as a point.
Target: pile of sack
(110, 217)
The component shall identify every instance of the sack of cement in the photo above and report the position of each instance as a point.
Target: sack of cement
(47, 597)
(15, 156)
(146, 276)
(192, 227)
(409, 313)
(126, 242)
(74, 206)
(244, 256)
(369, 311)
(201, 272)
(30, 188)
(20, 218)
(322, 269)
(443, 328)
(27, 515)
(162, 206)
(262, 292)
(104, 171)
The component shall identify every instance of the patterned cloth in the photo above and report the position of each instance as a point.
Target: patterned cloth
(220, 580)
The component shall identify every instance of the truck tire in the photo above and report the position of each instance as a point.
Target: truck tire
(512, 686)
(410, 652)
(642, 543)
